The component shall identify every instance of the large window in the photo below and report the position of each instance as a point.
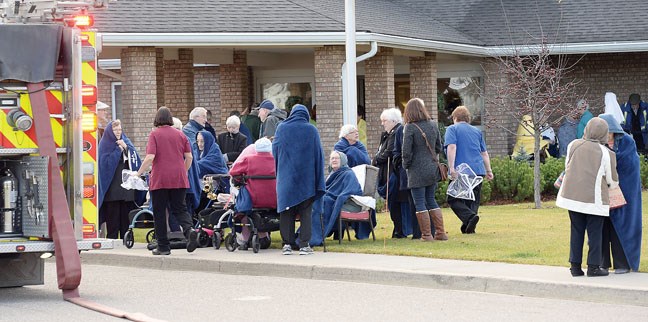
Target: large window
(285, 95)
(457, 91)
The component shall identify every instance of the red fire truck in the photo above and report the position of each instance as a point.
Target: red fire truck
(48, 139)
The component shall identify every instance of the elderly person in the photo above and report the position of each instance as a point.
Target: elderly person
(350, 145)
(116, 153)
(197, 122)
(341, 184)
(622, 230)
(635, 120)
(168, 153)
(270, 118)
(465, 144)
(585, 116)
(590, 173)
(299, 161)
(102, 118)
(389, 174)
(232, 142)
(209, 156)
(421, 146)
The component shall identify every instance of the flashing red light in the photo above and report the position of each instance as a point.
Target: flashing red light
(96, 245)
(89, 95)
(20, 248)
(83, 21)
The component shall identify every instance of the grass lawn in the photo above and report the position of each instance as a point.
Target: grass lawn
(514, 233)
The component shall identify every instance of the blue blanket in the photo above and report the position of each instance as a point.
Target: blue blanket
(210, 161)
(627, 219)
(340, 185)
(109, 157)
(299, 160)
(195, 188)
(356, 153)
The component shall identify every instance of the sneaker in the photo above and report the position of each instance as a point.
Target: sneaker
(306, 251)
(621, 270)
(286, 250)
(192, 240)
(157, 251)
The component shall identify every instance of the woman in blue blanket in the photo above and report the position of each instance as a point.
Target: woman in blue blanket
(341, 184)
(350, 145)
(622, 230)
(116, 153)
(209, 160)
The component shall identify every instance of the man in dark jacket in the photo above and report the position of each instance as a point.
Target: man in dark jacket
(270, 118)
(635, 115)
(232, 142)
(197, 122)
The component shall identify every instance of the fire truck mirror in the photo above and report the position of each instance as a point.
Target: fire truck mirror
(19, 120)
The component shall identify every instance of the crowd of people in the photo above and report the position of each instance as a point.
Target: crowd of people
(408, 158)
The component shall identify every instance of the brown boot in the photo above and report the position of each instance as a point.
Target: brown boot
(426, 228)
(437, 220)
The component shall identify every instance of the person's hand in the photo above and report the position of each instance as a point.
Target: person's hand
(453, 174)
(489, 175)
(121, 144)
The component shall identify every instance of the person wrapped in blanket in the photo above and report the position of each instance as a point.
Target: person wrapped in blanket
(255, 160)
(209, 160)
(341, 184)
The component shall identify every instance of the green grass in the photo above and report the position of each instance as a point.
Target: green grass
(514, 233)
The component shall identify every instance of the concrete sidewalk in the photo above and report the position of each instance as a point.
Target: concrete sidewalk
(512, 279)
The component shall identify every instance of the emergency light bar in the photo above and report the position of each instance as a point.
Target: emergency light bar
(89, 95)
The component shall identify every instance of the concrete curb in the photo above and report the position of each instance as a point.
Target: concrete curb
(512, 279)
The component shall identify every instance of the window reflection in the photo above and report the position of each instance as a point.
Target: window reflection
(457, 91)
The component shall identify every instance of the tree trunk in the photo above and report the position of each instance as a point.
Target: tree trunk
(536, 169)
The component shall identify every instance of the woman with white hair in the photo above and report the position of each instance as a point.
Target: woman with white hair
(351, 146)
(232, 142)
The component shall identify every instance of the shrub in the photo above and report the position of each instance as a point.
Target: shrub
(643, 166)
(513, 179)
(440, 193)
(550, 170)
(486, 191)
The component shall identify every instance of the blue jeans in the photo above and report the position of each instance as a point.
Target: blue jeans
(424, 197)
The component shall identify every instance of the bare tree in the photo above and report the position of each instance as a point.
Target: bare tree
(531, 82)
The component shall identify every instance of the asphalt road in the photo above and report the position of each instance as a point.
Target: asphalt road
(201, 296)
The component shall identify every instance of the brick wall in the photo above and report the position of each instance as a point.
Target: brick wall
(233, 85)
(328, 93)
(207, 92)
(423, 81)
(379, 93)
(159, 74)
(104, 88)
(179, 84)
(139, 93)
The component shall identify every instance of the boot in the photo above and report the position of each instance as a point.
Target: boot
(437, 220)
(424, 222)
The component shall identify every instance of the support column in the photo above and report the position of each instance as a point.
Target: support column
(233, 86)
(500, 125)
(139, 93)
(423, 81)
(379, 93)
(159, 73)
(207, 92)
(179, 84)
(328, 93)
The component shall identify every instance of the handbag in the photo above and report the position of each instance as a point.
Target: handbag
(443, 168)
(617, 200)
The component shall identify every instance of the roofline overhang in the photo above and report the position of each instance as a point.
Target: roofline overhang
(294, 39)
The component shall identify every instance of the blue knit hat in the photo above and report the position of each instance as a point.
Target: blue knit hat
(613, 124)
(267, 104)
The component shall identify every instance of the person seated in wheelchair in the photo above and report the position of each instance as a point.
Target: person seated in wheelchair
(341, 184)
(253, 174)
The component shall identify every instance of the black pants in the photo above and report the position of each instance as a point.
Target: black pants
(611, 242)
(466, 209)
(116, 214)
(287, 223)
(395, 214)
(581, 222)
(174, 200)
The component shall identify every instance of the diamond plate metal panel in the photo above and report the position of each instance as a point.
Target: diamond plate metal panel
(32, 174)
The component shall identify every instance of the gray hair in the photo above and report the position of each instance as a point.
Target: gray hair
(196, 112)
(346, 129)
(177, 124)
(392, 114)
(233, 120)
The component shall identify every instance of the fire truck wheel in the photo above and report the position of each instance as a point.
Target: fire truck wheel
(150, 236)
(217, 240)
(129, 239)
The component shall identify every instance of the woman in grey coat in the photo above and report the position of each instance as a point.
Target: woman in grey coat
(422, 170)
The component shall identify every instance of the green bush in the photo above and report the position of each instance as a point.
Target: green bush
(643, 163)
(440, 193)
(513, 179)
(550, 170)
(486, 191)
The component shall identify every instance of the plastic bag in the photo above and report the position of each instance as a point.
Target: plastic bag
(467, 180)
(130, 182)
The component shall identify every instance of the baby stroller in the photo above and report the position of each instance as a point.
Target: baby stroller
(251, 215)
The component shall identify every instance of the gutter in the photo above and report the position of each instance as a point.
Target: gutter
(296, 39)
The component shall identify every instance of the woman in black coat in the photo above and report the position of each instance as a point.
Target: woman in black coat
(421, 147)
(232, 142)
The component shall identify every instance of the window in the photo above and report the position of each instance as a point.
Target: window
(285, 95)
(457, 91)
(116, 100)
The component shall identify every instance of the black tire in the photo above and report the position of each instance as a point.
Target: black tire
(265, 242)
(256, 245)
(230, 242)
(203, 239)
(217, 239)
(129, 239)
(150, 236)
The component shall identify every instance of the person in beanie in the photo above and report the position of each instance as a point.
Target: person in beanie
(299, 162)
(270, 118)
(635, 114)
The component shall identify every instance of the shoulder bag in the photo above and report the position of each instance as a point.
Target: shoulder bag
(443, 168)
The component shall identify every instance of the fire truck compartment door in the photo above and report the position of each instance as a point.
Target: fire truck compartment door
(29, 53)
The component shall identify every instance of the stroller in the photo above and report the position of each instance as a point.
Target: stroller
(242, 217)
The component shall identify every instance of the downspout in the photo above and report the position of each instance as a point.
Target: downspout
(346, 118)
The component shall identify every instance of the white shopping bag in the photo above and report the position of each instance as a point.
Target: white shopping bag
(130, 182)
(467, 180)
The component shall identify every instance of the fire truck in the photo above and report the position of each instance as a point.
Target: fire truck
(48, 139)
